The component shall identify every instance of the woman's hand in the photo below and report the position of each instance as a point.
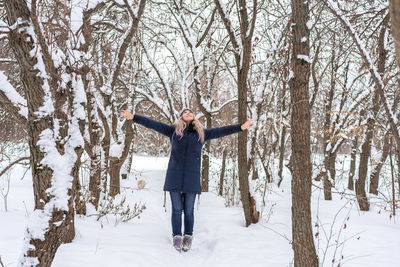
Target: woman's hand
(126, 114)
(247, 124)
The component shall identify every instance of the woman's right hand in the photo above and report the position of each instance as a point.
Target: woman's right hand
(126, 114)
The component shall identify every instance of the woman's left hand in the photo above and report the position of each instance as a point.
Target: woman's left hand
(247, 124)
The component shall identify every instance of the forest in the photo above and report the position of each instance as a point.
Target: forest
(315, 180)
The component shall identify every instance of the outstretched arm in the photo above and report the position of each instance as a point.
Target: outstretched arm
(226, 130)
(160, 127)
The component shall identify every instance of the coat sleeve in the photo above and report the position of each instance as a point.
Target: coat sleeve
(160, 127)
(221, 131)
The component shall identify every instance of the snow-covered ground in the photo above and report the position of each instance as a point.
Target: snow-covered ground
(220, 237)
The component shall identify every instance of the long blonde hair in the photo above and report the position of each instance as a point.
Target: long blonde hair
(181, 125)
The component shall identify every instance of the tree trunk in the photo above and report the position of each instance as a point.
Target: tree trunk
(281, 155)
(302, 235)
(394, 10)
(128, 163)
(115, 168)
(362, 170)
(57, 222)
(354, 146)
(80, 205)
(374, 179)
(328, 178)
(205, 162)
(221, 177)
(117, 162)
(398, 169)
(329, 174)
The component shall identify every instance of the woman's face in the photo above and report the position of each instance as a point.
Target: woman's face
(187, 116)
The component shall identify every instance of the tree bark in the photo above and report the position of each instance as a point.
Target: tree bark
(281, 155)
(374, 179)
(398, 169)
(222, 175)
(205, 161)
(60, 224)
(362, 170)
(117, 162)
(329, 157)
(394, 11)
(302, 235)
(329, 175)
(354, 146)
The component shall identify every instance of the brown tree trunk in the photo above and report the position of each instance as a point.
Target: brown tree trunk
(60, 226)
(329, 162)
(374, 179)
(80, 205)
(205, 162)
(281, 155)
(116, 163)
(393, 183)
(94, 148)
(221, 177)
(302, 235)
(362, 170)
(394, 10)
(398, 169)
(115, 168)
(328, 178)
(354, 146)
(105, 144)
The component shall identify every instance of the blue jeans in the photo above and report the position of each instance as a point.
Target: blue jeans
(182, 202)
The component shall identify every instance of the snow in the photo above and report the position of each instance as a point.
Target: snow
(13, 95)
(309, 24)
(304, 57)
(291, 75)
(220, 237)
(116, 149)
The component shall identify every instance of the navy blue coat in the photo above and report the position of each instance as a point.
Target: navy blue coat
(183, 173)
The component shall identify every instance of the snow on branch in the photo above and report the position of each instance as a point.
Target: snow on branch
(13, 96)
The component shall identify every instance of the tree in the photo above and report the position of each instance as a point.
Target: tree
(242, 50)
(55, 121)
(394, 11)
(302, 236)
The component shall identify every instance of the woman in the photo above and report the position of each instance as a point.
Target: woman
(187, 137)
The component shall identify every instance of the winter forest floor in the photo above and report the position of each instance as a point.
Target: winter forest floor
(220, 238)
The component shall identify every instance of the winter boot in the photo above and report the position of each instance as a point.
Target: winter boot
(187, 242)
(177, 242)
